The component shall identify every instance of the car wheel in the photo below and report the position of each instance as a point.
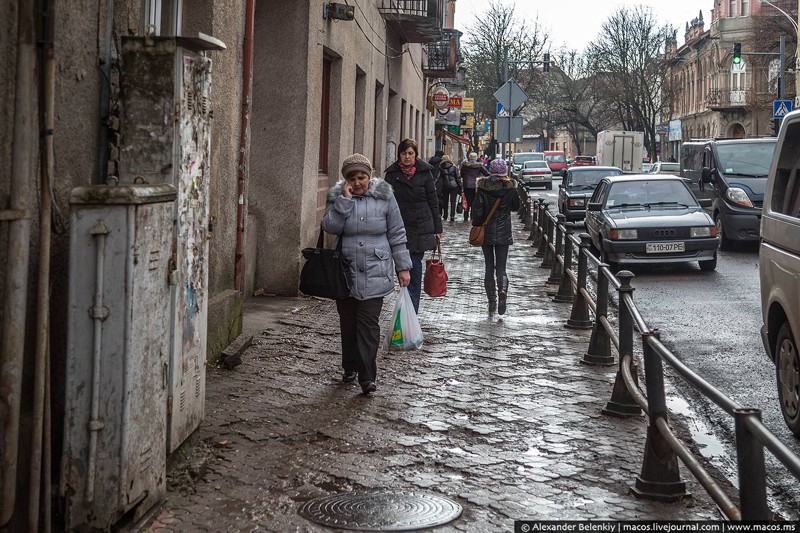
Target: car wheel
(787, 373)
(711, 264)
(613, 265)
(724, 242)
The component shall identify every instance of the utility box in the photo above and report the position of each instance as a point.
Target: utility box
(621, 149)
(166, 138)
(118, 345)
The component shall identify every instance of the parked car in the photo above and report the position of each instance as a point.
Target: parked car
(650, 219)
(557, 161)
(521, 157)
(583, 161)
(733, 174)
(536, 173)
(578, 186)
(646, 167)
(779, 268)
(662, 167)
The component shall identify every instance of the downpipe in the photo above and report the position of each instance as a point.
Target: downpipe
(18, 255)
(247, 78)
(99, 313)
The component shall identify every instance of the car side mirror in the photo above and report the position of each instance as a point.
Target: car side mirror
(705, 202)
(705, 175)
(594, 206)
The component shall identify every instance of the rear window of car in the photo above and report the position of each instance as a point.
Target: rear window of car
(535, 164)
(668, 167)
(591, 177)
(583, 158)
(555, 158)
(522, 158)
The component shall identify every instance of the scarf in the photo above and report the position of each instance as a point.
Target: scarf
(408, 171)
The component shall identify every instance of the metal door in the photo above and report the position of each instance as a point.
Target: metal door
(190, 251)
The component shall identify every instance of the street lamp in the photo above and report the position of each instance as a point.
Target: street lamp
(797, 45)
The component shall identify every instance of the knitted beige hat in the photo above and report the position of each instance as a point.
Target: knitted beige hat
(354, 163)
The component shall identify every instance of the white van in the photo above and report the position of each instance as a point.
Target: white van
(779, 268)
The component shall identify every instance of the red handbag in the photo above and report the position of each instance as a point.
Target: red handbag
(435, 281)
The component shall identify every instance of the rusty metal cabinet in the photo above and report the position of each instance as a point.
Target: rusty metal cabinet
(114, 460)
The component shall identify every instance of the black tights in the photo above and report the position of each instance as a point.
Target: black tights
(496, 258)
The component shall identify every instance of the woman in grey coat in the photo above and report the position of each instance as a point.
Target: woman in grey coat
(363, 211)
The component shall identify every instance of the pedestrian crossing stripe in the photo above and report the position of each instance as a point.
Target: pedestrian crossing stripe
(782, 111)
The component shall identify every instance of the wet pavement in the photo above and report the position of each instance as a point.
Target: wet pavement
(494, 413)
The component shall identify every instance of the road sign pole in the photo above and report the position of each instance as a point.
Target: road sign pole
(783, 69)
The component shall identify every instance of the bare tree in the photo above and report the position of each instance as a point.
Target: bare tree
(766, 28)
(490, 36)
(630, 70)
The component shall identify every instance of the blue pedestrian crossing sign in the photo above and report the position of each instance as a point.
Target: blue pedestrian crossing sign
(781, 108)
(502, 111)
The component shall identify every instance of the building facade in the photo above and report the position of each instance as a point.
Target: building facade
(712, 96)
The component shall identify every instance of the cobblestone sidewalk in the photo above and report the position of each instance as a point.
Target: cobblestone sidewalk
(495, 413)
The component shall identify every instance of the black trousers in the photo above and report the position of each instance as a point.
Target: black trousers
(452, 196)
(469, 194)
(361, 335)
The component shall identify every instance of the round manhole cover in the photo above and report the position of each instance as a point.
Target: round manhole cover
(381, 510)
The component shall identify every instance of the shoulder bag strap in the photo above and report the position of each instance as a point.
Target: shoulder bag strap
(321, 240)
(494, 207)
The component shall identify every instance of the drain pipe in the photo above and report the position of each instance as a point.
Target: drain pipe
(43, 296)
(17, 257)
(244, 145)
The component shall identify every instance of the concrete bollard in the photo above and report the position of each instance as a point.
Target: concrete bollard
(622, 403)
(659, 478)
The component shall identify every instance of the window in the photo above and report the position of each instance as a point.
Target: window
(359, 127)
(786, 191)
(745, 8)
(377, 127)
(325, 116)
(738, 83)
(732, 8)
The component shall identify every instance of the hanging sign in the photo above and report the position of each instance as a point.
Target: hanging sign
(467, 105)
(440, 97)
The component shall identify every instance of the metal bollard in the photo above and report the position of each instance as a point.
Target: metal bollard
(752, 475)
(534, 213)
(659, 478)
(542, 229)
(599, 352)
(528, 215)
(556, 268)
(523, 194)
(622, 403)
(566, 293)
(549, 224)
(579, 318)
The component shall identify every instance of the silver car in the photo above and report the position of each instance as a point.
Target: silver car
(779, 268)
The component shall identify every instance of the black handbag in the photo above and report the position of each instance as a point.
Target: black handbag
(325, 273)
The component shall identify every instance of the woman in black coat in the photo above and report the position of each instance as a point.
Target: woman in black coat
(497, 237)
(415, 192)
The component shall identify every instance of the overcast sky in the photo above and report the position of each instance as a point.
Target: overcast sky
(578, 22)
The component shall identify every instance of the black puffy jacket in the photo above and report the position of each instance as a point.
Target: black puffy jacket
(498, 231)
(419, 205)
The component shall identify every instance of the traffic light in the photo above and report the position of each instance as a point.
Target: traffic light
(737, 53)
(546, 63)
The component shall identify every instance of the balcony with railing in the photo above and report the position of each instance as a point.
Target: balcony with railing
(727, 99)
(443, 56)
(414, 21)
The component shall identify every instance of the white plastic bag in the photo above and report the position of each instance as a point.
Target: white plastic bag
(404, 332)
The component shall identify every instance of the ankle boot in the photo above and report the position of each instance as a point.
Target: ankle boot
(502, 285)
(491, 294)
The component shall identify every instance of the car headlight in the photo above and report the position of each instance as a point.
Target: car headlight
(623, 234)
(577, 202)
(705, 231)
(738, 196)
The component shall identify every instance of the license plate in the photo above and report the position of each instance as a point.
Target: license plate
(664, 247)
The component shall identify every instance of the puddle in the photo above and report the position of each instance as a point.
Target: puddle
(710, 446)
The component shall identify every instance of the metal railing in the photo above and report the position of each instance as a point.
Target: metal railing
(659, 478)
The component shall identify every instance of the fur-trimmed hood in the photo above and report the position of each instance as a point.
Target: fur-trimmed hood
(472, 164)
(493, 183)
(378, 188)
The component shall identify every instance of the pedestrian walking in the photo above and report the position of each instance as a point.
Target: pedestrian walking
(451, 186)
(471, 170)
(415, 191)
(364, 213)
(497, 236)
(434, 162)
